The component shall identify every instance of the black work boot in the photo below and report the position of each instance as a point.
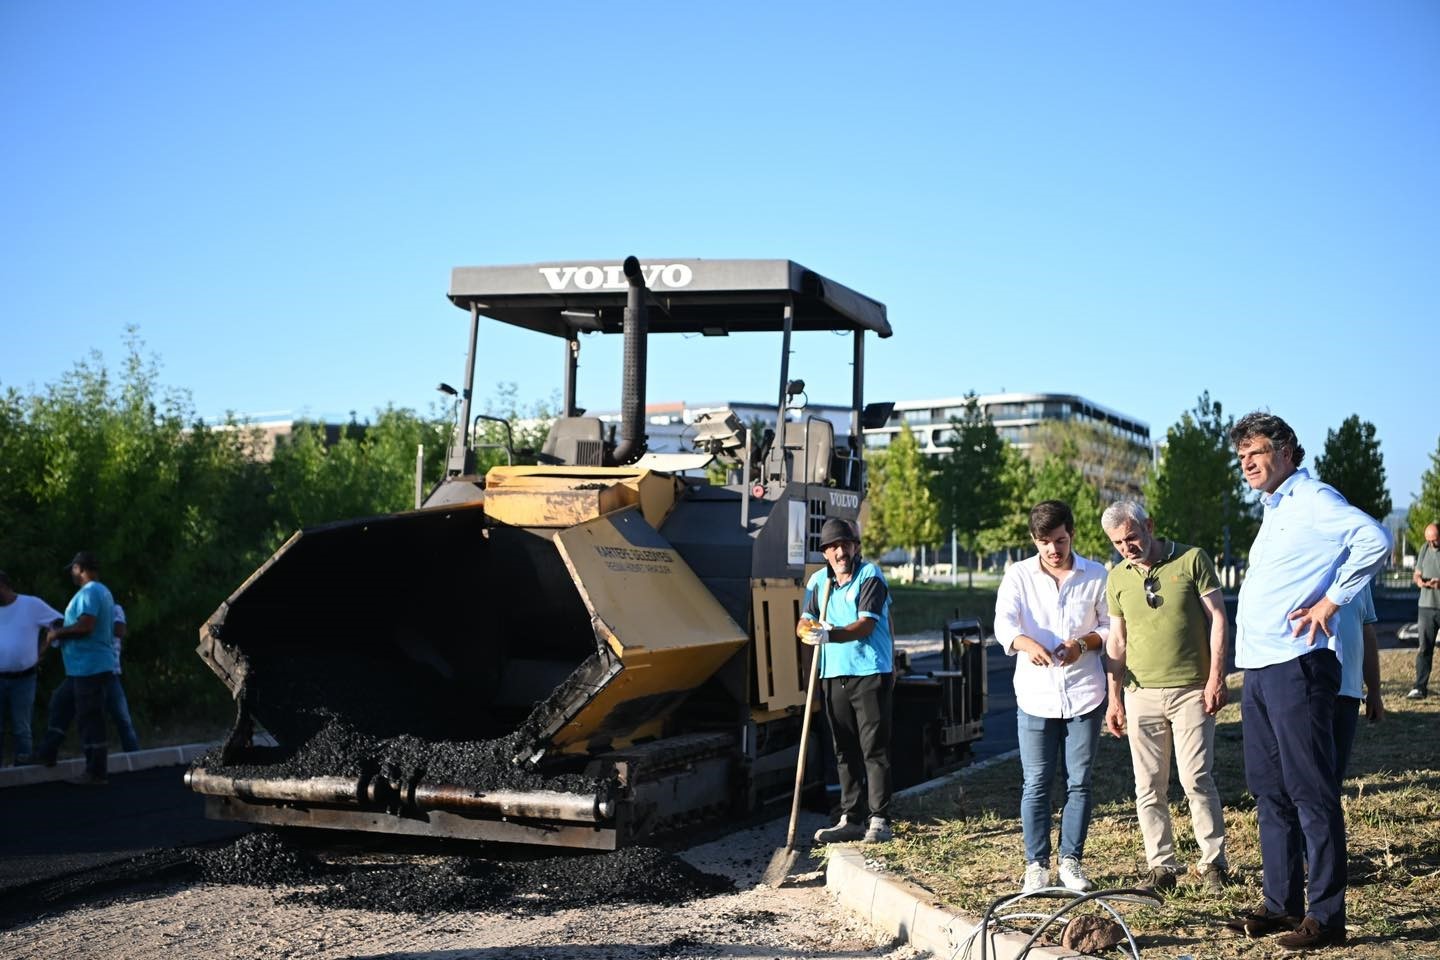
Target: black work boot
(96, 767)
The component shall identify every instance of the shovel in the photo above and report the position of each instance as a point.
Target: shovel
(782, 861)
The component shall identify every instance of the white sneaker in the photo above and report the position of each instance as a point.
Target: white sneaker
(1072, 874)
(1037, 877)
(1415, 694)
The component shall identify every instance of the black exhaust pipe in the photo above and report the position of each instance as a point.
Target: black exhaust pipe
(632, 399)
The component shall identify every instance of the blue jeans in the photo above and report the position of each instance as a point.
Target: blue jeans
(1040, 741)
(17, 703)
(62, 714)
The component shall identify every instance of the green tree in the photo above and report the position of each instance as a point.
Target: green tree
(1353, 465)
(1058, 478)
(1425, 507)
(903, 508)
(1011, 531)
(176, 511)
(1115, 465)
(1196, 492)
(969, 480)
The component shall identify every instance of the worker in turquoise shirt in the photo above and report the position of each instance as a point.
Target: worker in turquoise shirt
(847, 610)
(87, 646)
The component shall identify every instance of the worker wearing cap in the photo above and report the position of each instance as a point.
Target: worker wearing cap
(849, 621)
(88, 649)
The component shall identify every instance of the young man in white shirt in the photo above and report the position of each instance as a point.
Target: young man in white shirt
(1050, 615)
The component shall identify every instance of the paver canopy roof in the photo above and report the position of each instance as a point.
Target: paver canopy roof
(686, 296)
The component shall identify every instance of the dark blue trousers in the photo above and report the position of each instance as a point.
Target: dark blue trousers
(1347, 719)
(1288, 715)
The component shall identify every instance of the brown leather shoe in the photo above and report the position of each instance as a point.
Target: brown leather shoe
(1213, 878)
(1160, 881)
(1261, 922)
(1311, 936)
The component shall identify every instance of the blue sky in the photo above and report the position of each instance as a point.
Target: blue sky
(1134, 202)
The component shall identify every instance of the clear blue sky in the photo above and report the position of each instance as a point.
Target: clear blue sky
(1134, 202)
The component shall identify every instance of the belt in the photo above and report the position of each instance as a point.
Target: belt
(16, 674)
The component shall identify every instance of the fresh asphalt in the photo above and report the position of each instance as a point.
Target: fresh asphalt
(56, 829)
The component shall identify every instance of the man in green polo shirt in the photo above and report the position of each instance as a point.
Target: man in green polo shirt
(1167, 681)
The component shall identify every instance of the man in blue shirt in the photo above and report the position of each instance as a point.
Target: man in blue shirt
(1359, 667)
(847, 615)
(1313, 554)
(88, 649)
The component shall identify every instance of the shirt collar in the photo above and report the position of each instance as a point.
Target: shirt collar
(1035, 568)
(1285, 488)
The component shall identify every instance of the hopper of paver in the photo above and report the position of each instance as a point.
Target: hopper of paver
(445, 671)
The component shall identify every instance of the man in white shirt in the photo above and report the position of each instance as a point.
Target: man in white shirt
(22, 617)
(1050, 615)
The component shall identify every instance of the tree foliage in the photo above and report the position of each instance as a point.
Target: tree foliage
(1196, 491)
(1353, 465)
(1116, 466)
(1425, 508)
(1058, 478)
(969, 480)
(1011, 531)
(903, 509)
(175, 511)
(179, 512)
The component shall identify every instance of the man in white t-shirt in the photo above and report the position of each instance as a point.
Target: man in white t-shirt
(22, 617)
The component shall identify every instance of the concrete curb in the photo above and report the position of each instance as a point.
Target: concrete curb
(118, 763)
(906, 911)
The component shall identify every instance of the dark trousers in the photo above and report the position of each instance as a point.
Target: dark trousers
(859, 710)
(90, 714)
(1429, 625)
(62, 714)
(1347, 718)
(1289, 715)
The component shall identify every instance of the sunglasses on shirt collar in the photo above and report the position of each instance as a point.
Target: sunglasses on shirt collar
(1152, 591)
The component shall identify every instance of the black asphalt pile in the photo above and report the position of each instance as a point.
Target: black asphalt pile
(339, 750)
(362, 718)
(258, 859)
(455, 884)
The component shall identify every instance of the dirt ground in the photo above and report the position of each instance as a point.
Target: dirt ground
(210, 922)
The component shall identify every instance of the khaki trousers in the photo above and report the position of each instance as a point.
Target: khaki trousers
(1161, 721)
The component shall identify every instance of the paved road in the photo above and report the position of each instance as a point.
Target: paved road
(52, 829)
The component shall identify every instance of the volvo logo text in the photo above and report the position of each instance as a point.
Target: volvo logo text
(850, 501)
(611, 277)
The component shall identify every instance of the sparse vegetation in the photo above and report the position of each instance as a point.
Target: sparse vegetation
(964, 842)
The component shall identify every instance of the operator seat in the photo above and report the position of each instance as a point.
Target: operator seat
(575, 442)
(804, 452)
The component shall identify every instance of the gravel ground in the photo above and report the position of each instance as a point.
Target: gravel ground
(211, 921)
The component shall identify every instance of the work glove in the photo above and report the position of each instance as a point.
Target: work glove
(817, 635)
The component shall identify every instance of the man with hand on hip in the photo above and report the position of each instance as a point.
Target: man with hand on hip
(1313, 554)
